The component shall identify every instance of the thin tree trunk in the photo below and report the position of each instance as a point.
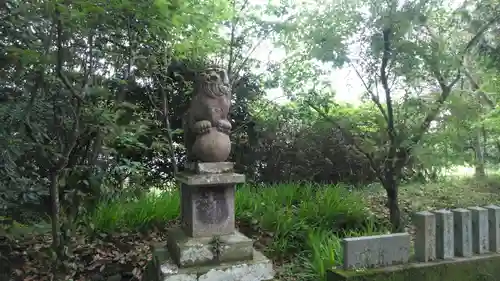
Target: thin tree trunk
(391, 187)
(55, 216)
(479, 155)
(169, 131)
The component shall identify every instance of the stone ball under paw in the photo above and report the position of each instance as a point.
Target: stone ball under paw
(213, 146)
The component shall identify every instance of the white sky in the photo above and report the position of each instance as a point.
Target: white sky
(345, 82)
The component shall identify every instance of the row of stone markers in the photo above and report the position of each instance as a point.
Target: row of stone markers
(440, 235)
(445, 234)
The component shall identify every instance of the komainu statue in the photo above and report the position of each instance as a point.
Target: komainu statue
(206, 124)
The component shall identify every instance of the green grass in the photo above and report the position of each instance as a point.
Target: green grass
(300, 225)
(137, 214)
(303, 222)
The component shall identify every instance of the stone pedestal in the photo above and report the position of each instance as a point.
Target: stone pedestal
(206, 246)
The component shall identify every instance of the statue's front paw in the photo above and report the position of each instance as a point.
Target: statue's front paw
(224, 126)
(202, 127)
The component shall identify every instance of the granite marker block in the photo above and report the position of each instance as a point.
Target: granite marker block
(494, 227)
(425, 236)
(463, 232)
(480, 240)
(445, 248)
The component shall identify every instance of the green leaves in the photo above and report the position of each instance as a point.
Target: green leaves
(191, 27)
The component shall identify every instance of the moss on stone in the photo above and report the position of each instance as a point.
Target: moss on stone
(478, 268)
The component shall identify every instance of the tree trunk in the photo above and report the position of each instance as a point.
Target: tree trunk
(479, 155)
(391, 188)
(55, 206)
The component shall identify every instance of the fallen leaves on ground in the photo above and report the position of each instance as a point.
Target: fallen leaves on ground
(117, 257)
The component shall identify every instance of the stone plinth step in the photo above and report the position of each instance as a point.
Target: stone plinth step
(209, 179)
(163, 268)
(189, 251)
(210, 167)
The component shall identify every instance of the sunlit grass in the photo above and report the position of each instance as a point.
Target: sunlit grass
(466, 171)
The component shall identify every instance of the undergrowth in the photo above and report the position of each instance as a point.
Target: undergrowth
(135, 214)
(304, 221)
(299, 225)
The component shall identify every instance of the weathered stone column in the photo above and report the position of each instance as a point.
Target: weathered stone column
(463, 232)
(445, 244)
(425, 237)
(207, 246)
(480, 239)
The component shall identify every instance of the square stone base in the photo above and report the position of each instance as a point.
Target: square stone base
(207, 210)
(188, 251)
(163, 268)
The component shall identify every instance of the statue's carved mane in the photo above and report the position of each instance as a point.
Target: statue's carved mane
(213, 89)
(207, 85)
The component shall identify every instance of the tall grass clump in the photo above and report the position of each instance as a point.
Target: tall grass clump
(302, 222)
(323, 252)
(306, 220)
(136, 214)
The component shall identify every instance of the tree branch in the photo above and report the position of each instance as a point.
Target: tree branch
(60, 55)
(385, 85)
(165, 114)
(374, 98)
(479, 34)
(477, 88)
(88, 62)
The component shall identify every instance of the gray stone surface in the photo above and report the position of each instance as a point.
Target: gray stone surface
(241, 272)
(440, 270)
(425, 236)
(445, 246)
(376, 251)
(210, 179)
(494, 227)
(480, 240)
(210, 167)
(207, 210)
(235, 247)
(188, 251)
(162, 268)
(463, 232)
